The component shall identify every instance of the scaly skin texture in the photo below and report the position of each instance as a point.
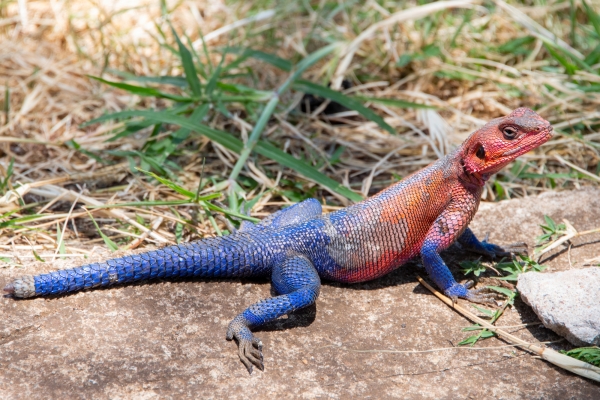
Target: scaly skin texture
(297, 247)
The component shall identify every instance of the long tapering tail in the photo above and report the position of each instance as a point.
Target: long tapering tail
(237, 255)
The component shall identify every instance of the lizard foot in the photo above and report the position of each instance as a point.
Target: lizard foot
(249, 346)
(482, 296)
(494, 251)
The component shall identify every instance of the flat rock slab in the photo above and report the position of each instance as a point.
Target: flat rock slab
(567, 302)
(389, 338)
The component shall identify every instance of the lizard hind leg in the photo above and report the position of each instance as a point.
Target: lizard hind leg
(298, 284)
(295, 214)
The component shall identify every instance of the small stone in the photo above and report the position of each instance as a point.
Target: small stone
(567, 302)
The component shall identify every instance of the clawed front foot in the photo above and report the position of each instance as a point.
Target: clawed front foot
(482, 296)
(249, 346)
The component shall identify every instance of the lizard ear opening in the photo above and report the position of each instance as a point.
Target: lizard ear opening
(480, 153)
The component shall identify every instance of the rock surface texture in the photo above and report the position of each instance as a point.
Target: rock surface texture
(389, 338)
(567, 302)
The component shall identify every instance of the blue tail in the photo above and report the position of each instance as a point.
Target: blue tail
(238, 255)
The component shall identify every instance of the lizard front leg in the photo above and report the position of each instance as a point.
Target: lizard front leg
(298, 282)
(445, 230)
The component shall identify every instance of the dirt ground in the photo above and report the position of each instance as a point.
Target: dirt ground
(167, 339)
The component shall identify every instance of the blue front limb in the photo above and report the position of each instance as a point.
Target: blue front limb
(441, 275)
(439, 272)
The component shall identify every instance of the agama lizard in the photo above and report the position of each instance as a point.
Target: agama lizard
(422, 214)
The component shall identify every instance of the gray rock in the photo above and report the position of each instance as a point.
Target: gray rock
(567, 302)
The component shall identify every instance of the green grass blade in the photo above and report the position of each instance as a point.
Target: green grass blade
(306, 63)
(570, 68)
(245, 53)
(17, 221)
(130, 128)
(396, 102)
(178, 81)
(188, 66)
(269, 58)
(346, 101)
(558, 53)
(112, 246)
(590, 355)
(516, 46)
(594, 56)
(169, 184)
(37, 256)
(204, 50)
(182, 134)
(195, 55)
(592, 16)
(507, 292)
(142, 91)
(265, 116)
(223, 138)
(212, 83)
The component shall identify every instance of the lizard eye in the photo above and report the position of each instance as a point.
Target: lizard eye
(480, 153)
(509, 132)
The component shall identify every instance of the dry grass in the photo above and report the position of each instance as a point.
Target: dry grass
(49, 48)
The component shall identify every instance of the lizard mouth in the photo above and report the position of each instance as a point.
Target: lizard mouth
(542, 137)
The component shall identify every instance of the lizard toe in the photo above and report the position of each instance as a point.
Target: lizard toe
(250, 355)
(249, 346)
(482, 296)
(469, 284)
(476, 296)
(495, 251)
(516, 248)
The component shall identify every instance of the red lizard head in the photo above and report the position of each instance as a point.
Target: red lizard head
(502, 140)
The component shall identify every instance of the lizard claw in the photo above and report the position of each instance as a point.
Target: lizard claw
(465, 291)
(516, 248)
(249, 346)
(493, 251)
(482, 296)
(250, 353)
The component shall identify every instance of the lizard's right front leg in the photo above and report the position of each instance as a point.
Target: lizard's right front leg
(299, 284)
(445, 230)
